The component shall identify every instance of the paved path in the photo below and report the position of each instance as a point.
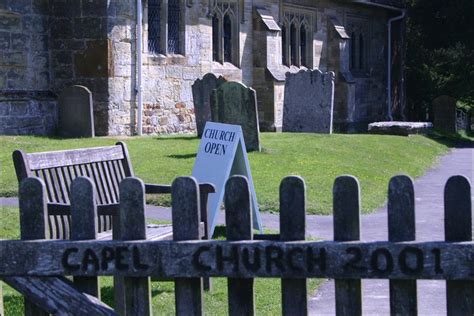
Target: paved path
(429, 226)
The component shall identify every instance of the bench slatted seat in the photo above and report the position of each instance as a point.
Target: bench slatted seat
(105, 166)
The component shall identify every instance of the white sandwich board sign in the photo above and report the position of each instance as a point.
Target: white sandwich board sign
(222, 154)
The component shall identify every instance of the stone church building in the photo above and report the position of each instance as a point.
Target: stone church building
(47, 45)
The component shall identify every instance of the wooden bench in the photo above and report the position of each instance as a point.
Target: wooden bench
(106, 167)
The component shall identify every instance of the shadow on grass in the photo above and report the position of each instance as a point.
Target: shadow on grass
(452, 140)
(183, 156)
(173, 138)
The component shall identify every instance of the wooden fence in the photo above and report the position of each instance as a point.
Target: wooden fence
(36, 267)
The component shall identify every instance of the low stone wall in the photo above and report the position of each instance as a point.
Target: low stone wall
(28, 113)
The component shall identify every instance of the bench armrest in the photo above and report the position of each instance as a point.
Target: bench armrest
(166, 189)
(65, 209)
(157, 188)
(206, 188)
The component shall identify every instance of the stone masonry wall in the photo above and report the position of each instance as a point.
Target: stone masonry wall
(167, 80)
(79, 52)
(26, 104)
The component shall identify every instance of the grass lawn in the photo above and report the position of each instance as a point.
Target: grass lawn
(267, 291)
(373, 159)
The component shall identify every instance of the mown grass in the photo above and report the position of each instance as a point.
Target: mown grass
(373, 159)
(267, 291)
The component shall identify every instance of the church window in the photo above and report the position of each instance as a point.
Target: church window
(154, 28)
(358, 46)
(215, 38)
(225, 32)
(296, 35)
(164, 27)
(303, 46)
(353, 50)
(227, 39)
(293, 45)
(173, 26)
(284, 49)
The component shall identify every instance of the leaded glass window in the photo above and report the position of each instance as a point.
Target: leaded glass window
(361, 51)
(296, 32)
(284, 43)
(215, 38)
(303, 45)
(173, 26)
(225, 30)
(227, 38)
(293, 44)
(353, 51)
(154, 27)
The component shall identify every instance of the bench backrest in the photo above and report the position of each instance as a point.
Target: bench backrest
(105, 166)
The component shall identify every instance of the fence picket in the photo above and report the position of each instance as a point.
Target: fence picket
(346, 205)
(294, 296)
(238, 218)
(33, 222)
(186, 219)
(401, 227)
(458, 227)
(84, 226)
(133, 227)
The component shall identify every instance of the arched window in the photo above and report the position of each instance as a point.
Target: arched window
(361, 52)
(225, 31)
(293, 46)
(173, 26)
(227, 38)
(303, 47)
(353, 51)
(215, 38)
(284, 46)
(154, 27)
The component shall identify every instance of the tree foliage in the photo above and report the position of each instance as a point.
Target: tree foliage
(440, 52)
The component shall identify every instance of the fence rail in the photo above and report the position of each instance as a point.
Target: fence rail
(187, 259)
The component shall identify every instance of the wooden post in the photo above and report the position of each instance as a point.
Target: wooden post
(33, 221)
(346, 205)
(294, 297)
(238, 218)
(186, 219)
(458, 227)
(84, 223)
(133, 227)
(401, 227)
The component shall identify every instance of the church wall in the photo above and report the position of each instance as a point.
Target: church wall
(27, 105)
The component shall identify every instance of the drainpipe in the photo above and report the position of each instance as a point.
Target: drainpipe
(389, 63)
(138, 85)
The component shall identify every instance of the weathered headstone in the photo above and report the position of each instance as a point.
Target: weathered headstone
(309, 102)
(234, 103)
(76, 118)
(202, 89)
(444, 113)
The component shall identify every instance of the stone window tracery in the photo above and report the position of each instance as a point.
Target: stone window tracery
(225, 31)
(358, 60)
(164, 27)
(297, 34)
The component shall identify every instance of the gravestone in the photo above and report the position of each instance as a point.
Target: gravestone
(309, 102)
(234, 103)
(75, 112)
(444, 113)
(202, 89)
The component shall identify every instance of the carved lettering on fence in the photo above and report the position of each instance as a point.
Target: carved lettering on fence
(256, 258)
